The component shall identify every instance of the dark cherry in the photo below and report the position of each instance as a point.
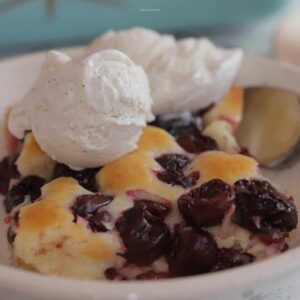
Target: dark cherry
(177, 124)
(29, 185)
(173, 174)
(86, 205)
(174, 178)
(90, 207)
(113, 274)
(173, 162)
(151, 275)
(207, 204)
(194, 251)
(262, 209)
(157, 209)
(100, 221)
(8, 170)
(194, 142)
(145, 236)
(85, 178)
(232, 257)
(11, 235)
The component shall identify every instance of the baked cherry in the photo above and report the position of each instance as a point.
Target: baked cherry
(173, 162)
(145, 236)
(157, 209)
(194, 142)
(174, 165)
(232, 257)
(262, 209)
(29, 185)
(86, 205)
(207, 204)
(194, 251)
(86, 178)
(177, 124)
(8, 170)
(100, 221)
(91, 208)
(174, 178)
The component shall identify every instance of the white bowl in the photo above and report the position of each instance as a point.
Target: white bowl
(274, 278)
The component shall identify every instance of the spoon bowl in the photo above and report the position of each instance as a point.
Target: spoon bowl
(270, 129)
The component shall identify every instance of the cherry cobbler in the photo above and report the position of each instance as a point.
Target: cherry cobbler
(187, 201)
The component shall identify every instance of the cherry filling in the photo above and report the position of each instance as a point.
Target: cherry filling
(207, 204)
(177, 124)
(100, 222)
(173, 173)
(178, 179)
(85, 178)
(173, 162)
(261, 209)
(29, 185)
(90, 207)
(145, 235)
(194, 142)
(186, 128)
(194, 251)
(232, 257)
(157, 209)
(8, 170)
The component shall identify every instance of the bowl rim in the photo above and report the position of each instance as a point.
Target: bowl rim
(256, 273)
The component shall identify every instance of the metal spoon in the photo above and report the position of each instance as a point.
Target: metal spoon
(270, 129)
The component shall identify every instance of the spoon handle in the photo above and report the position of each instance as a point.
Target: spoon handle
(258, 72)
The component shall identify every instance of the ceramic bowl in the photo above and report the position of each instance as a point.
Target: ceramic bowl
(274, 278)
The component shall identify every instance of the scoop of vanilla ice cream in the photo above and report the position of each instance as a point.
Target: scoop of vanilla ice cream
(85, 112)
(191, 75)
(186, 75)
(142, 45)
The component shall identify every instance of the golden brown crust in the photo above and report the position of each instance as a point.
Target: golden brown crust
(49, 241)
(155, 139)
(48, 212)
(222, 132)
(33, 160)
(137, 170)
(228, 167)
(22, 265)
(229, 109)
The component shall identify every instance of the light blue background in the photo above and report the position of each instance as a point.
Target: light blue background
(27, 22)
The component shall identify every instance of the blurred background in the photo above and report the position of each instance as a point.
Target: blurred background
(259, 26)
